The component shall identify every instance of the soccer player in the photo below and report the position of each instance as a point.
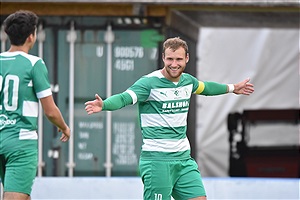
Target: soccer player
(23, 80)
(163, 98)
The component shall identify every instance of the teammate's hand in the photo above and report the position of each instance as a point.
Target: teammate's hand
(65, 134)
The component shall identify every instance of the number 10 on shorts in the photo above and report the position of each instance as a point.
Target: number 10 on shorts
(157, 196)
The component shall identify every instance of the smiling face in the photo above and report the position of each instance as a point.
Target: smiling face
(174, 63)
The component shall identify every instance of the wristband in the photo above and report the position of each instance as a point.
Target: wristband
(230, 88)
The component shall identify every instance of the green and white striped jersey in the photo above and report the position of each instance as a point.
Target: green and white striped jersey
(163, 109)
(23, 79)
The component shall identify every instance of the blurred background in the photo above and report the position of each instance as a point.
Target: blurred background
(105, 46)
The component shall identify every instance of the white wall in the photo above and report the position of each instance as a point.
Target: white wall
(270, 57)
(59, 188)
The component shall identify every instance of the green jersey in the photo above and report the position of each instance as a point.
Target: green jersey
(23, 80)
(163, 108)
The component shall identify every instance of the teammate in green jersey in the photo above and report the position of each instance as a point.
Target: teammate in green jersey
(163, 98)
(23, 81)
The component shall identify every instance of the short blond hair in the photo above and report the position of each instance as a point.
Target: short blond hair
(174, 44)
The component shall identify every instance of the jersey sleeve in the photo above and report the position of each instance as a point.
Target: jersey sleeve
(140, 90)
(137, 92)
(117, 101)
(211, 88)
(40, 79)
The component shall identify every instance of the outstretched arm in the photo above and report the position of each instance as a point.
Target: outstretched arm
(214, 88)
(114, 102)
(244, 87)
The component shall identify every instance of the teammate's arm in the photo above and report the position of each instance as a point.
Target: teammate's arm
(54, 115)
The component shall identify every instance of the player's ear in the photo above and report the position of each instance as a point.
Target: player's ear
(30, 38)
(187, 58)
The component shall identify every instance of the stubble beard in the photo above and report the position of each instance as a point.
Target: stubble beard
(174, 72)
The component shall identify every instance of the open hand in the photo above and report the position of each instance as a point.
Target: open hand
(94, 106)
(244, 87)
